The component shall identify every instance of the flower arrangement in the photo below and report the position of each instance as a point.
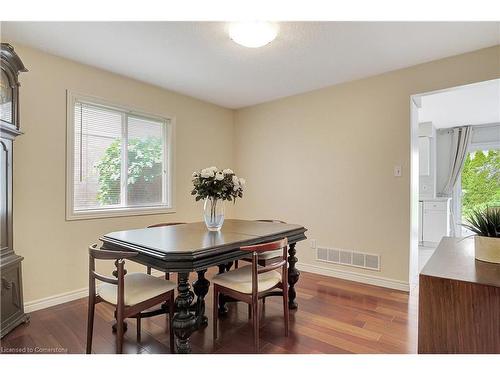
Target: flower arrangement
(217, 184)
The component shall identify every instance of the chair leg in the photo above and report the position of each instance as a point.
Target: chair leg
(138, 319)
(167, 276)
(255, 315)
(171, 310)
(286, 311)
(119, 331)
(148, 270)
(90, 323)
(215, 310)
(235, 264)
(249, 311)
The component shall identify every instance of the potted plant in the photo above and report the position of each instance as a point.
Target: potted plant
(486, 224)
(216, 186)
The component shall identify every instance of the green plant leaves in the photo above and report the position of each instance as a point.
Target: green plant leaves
(485, 222)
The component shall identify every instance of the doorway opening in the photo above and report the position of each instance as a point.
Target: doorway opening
(455, 163)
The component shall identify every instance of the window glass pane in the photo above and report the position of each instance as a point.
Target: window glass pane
(480, 183)
(97, 159)
(145, 162)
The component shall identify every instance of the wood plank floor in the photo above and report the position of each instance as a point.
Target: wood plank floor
(334, 316)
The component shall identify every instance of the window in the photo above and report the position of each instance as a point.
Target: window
(480, 182)
(119, 161)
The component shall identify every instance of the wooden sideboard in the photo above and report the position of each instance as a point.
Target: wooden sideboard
(459, 301)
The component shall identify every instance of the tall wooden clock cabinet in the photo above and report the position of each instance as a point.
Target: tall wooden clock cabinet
(11, 302)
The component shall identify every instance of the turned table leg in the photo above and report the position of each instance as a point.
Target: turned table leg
(184, 320)
(201, 287)
(293, 277)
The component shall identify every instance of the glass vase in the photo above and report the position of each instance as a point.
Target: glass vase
(213, 213)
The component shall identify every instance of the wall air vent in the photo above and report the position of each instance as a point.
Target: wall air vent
(348, 258)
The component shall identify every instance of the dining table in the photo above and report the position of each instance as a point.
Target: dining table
(192, 248)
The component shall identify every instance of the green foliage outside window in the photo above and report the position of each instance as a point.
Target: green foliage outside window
(144, 171)
(480, 181)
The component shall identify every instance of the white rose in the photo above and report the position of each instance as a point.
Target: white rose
(236, 187)
(228, 171)
(207, 173)
(214, 169)
(242, 181)
(236, 181)
(219, 176)
(195, 174)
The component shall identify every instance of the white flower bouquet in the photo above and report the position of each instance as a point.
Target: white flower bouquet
(217, 184)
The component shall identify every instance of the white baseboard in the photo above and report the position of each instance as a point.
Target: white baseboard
(57, 299)
(43, 303)
(354, 276)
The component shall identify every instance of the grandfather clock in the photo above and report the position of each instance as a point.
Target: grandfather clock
(11, 302)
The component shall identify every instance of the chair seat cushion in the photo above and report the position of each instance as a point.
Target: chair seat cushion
(241, 280)
(139, 287)
(267, 255)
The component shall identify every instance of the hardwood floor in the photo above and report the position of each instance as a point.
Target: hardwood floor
(334, 316)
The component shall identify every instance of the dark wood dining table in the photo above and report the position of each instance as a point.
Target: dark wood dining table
(187, 248)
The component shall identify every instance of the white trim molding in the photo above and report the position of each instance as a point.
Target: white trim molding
(355, 276)
(57, 299)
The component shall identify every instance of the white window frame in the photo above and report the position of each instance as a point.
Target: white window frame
(168, 163)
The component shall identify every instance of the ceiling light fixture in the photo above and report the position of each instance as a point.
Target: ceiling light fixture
(253, 34)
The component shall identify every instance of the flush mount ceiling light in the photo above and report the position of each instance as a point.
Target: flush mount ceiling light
(253, 34)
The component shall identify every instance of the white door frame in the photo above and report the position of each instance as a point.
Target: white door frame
(415, 101)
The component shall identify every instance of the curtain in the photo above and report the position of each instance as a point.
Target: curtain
(460, 140)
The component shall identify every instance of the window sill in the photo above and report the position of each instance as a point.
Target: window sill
(118, 212)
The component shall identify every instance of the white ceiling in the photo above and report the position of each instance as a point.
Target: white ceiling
(475, 104)
(199, 59)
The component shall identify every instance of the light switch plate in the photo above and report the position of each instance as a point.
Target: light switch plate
(397, 171)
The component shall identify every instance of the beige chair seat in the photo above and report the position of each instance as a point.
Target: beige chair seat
(241, 280)
(267, 255)
(138, 287)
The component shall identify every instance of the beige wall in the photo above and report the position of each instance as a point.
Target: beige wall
(55, 250)
(325, 159)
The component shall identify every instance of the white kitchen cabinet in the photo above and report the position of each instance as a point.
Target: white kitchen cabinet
(435, 220)
(424, 156)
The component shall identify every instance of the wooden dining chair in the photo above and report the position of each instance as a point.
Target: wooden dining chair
(148, 268)
(131, 295)
(253, 282)
(266, 257)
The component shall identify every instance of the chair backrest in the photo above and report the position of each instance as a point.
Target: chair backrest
(280, 262)
(117, 256)
(163, 225)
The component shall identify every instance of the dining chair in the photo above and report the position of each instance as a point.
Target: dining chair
(253, 282)
(130, 294)
(267, 256)
(148, 268)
